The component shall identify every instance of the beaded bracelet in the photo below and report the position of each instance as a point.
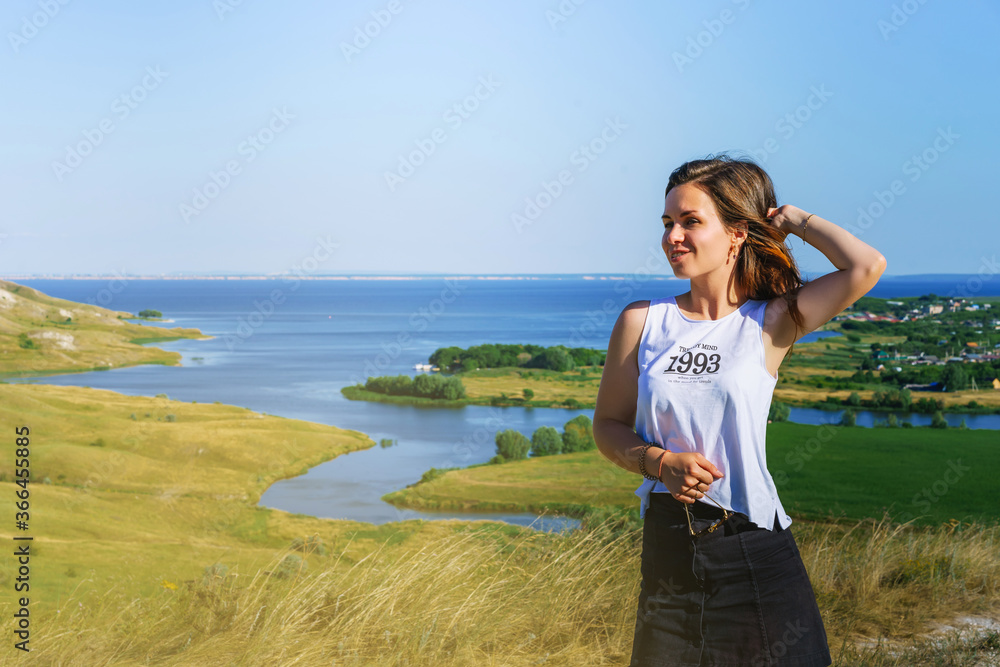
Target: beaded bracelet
(642, 463)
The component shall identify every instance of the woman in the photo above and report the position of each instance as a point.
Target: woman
(723, 582)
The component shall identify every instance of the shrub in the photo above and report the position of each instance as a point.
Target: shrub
(778, 412)
(497, 459)
(545, 441)
(848, 418)
(26, 343)
(938, 421)
(171, 418)
(163, 396)
(291, 565)
(528, 394)
(214, 574)
(309, 544)
(578, 435)
(98, 443)
(512, 445)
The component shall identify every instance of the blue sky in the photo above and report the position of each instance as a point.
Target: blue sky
(399, 136)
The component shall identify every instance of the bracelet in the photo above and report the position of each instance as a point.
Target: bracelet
(804, 225)
(642, 462)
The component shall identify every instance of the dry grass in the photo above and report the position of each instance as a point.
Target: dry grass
(503, 597)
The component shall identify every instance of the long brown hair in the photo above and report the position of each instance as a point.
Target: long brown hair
(743, 192)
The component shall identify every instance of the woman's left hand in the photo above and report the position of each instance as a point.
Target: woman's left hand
(785, 218)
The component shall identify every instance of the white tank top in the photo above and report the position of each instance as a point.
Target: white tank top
(704, 387)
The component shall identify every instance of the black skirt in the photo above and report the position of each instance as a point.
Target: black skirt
(738, 595)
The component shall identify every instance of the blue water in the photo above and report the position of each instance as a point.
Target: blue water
(288, 348)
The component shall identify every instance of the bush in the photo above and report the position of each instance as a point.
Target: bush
(98, 443)
(578, 435)
(512, 445)
(938, 421)
(311, 544)
(171, 418)
(26, 343)
(150, 313)
(545, 441)
(848, 418)
(163, 396)
(214, 574)
(778, 412)
(497, 459)
(528, 394)
(291, 565)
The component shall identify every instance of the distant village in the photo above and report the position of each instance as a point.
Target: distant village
(973, 351)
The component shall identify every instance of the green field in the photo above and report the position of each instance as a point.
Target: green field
(930, 476)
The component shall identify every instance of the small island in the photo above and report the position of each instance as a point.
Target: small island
(922, 354)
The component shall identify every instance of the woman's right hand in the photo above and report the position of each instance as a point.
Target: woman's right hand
(687, 475)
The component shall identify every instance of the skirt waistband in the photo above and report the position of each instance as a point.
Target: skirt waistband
(667, 503)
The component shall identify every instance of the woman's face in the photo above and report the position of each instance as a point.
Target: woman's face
(691, 227)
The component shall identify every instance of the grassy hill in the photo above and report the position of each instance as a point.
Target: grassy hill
(41, 335)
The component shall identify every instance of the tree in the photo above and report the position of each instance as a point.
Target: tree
(546, 441)
(778, 412)
(578, 435)
(528, 394)
(854, 399)
(150, 313)
(553, 358)
(848, 418)
(512, 445)
(954, 377)
(938, 420)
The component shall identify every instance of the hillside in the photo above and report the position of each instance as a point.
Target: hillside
(42, 335)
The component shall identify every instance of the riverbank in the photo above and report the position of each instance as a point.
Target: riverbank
(41, 335)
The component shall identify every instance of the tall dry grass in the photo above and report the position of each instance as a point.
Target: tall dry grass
(478, 598)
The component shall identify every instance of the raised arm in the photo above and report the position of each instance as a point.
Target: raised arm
(859, 267)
